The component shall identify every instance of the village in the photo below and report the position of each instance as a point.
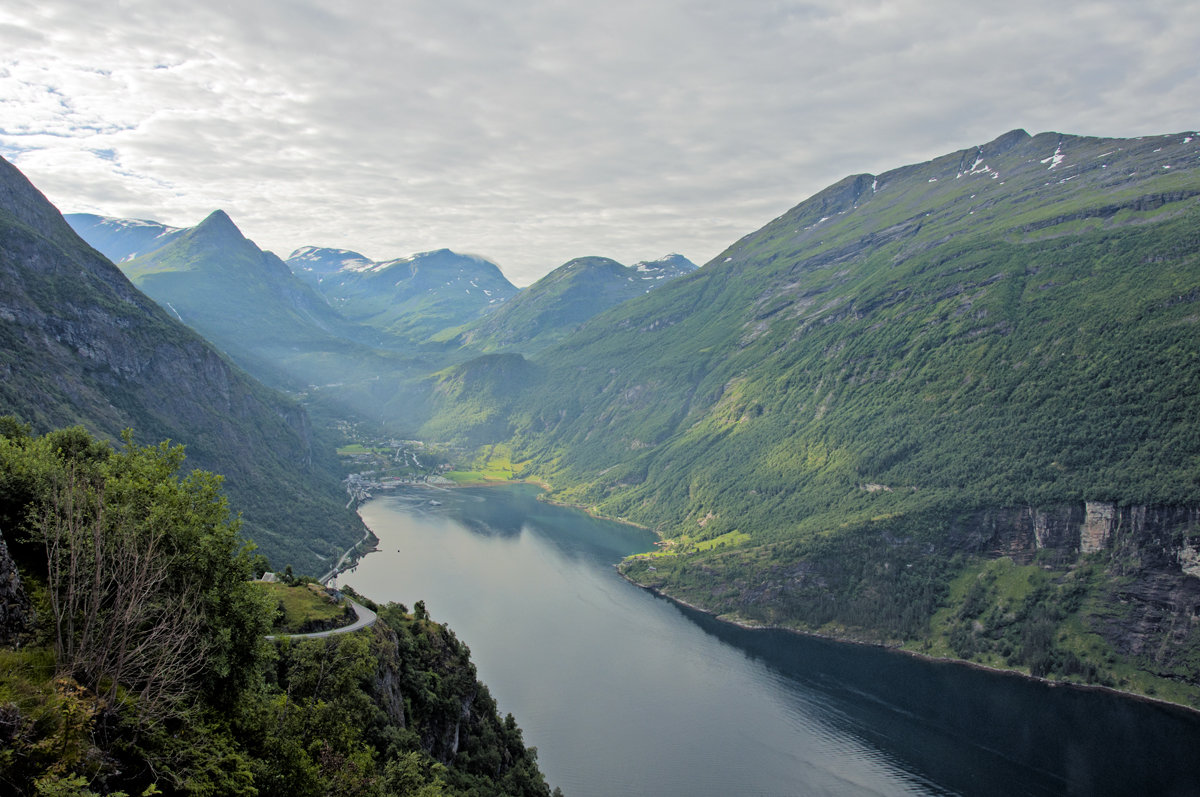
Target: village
(379, 462)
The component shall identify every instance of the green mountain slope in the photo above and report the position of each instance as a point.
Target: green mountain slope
(1010, 336)
(80, 345)
(483, 393)
(250, 305)
(412, 297)
(843, 405)
(551, 308)
(241, 298)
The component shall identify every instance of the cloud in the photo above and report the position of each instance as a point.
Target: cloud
(538, 131)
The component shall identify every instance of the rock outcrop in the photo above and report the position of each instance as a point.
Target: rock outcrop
(1136, 535)
(1154, 550)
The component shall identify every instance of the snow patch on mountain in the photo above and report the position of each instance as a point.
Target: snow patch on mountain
(1055, 159)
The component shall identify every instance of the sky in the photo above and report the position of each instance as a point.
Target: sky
(534, 131)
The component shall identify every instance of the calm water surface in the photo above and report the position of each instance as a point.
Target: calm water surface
(624, 693)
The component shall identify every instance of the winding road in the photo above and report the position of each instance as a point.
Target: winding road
(366, 619)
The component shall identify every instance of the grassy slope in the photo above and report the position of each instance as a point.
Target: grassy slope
(301, 605)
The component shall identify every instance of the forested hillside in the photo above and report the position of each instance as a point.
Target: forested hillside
(133, 657)
(834, 416)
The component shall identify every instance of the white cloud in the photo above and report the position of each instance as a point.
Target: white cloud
(538, 131)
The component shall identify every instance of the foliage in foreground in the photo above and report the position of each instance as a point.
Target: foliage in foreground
(147, 670)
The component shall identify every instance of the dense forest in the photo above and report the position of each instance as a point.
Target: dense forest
(134, 656)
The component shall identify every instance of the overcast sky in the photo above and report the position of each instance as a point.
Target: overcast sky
(535, 131)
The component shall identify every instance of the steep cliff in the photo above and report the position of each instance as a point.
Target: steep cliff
(457, 724)
(80, 344)
(1151, 597)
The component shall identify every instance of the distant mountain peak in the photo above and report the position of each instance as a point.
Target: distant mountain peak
(591, 261)
(1006, 142)
(413, 296)
(327, 260)
(121, 239)
(219, 223)
(665, 267)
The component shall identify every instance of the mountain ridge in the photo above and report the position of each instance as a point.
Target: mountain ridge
(412, 297)
(549, 309)
(82, 345)
(122, 239)
(249, 304)
(821, 420)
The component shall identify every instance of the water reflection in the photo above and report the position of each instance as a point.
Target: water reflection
(625, 693)
(980, 732)
(513, 509)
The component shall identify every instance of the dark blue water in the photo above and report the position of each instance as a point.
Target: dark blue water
(626, 693)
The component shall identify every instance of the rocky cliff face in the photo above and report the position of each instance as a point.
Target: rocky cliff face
(1135, 536)
(1154, 551)
(426, 685)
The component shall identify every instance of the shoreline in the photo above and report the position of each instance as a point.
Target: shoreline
(847, 640)
(587, 510)
(545, 486)
(342, 564)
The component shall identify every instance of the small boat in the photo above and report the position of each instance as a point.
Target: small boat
(435, 503)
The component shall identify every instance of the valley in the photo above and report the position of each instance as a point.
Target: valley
(838, 422)
(947, 409)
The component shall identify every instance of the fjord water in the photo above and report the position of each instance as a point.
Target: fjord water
(623, 692)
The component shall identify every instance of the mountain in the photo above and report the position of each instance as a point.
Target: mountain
(314, 263)
(250, 304)
(411, 297)
(122, 239)
(243, 299)
(844, 419)
(549, 309)
(79, 344)
(665, 268)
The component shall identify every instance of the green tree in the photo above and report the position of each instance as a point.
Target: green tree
(146, 574)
